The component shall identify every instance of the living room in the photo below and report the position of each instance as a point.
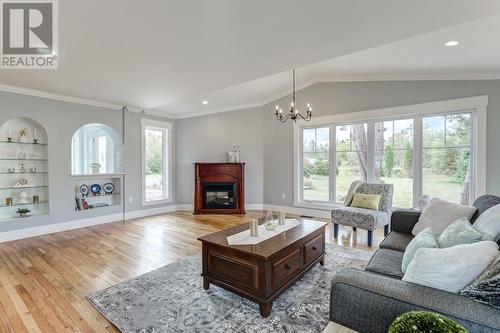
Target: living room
(160, 174)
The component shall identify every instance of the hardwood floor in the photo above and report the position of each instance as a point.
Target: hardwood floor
(44, 279)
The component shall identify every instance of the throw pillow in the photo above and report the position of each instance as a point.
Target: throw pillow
(424, 239)
(439, 214)
(452, 268)
(459, 232)
(488, 224)
(368, 201)
(487, 291)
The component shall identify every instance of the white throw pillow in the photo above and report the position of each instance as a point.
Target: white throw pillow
(424, 239)
(459, 232)
(439, 214)
(488, 224)
(452, 268)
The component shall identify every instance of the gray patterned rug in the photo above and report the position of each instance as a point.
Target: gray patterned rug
(171, 299)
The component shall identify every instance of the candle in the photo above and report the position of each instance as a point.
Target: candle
(9, 133)
(35, 133)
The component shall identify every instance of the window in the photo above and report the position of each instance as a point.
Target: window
(156, 150)
(446, 157)
(351, 157)
(394, 158)
(434, 150)
(316, 170)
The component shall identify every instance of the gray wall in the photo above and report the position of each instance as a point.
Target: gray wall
(61, 120)
(208, 138)
(335, 98)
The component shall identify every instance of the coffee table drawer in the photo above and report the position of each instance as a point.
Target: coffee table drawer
(313, 249)
(285, 267)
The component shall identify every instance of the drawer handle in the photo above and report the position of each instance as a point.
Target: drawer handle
(314, 248)
(288, 267)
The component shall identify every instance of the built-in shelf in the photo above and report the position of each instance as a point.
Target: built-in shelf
(24, 173)
(96, 196)
(22, 143)
(100, 175)
(24, 159)
(25, 204)
(21, 187)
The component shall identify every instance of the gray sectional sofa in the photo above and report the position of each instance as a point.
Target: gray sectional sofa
(369, 300)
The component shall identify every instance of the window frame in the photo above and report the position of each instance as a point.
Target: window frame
(166, 128)
(476, 106)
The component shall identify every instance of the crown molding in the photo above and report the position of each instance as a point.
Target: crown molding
(262, 103)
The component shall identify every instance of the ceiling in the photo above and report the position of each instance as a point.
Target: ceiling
(167, 56)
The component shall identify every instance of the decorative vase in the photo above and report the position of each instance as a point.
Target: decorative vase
(95, 168)
(23, 197)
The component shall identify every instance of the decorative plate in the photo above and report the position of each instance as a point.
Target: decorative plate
(96, 189)
(108, 188)
(84, 190)
(22, 182)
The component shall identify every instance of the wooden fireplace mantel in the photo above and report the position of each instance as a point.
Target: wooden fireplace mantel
(219, 173)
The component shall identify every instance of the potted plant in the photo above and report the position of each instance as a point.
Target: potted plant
(423, 322)
(23, 212)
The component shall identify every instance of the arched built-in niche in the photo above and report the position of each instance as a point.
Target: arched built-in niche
(24, 182)
(96, 149)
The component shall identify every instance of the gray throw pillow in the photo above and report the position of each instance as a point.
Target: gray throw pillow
(459, 232)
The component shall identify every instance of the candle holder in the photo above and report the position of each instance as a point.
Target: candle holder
(35, 141)
(9, 140)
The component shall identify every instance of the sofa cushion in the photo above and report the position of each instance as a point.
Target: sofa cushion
(440, 214)
(396, 241)
(483, 203)
(360, 217)
(386, 262)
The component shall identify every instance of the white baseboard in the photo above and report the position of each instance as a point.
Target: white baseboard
(64, 226)
(76, 224)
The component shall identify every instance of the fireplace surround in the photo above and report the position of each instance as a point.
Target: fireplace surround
(219, 188)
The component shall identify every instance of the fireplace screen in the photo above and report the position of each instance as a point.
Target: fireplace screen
(219, 195)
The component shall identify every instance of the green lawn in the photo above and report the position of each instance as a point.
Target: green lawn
(439, 186)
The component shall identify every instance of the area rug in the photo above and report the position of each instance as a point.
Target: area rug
(171, 299)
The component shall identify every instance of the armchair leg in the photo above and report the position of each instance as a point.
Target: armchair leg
(370, 237)
(335, 230)
(386, 229)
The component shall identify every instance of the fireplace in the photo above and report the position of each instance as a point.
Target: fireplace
(219, 188)
(219, 195)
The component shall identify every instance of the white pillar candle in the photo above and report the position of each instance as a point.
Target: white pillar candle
(9, 133)
(35, 133)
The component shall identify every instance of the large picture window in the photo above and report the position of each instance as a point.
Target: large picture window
(423, 154)
(316, 170)
(156, 152)
(351, 151)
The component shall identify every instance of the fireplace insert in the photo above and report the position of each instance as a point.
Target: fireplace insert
(219, 195)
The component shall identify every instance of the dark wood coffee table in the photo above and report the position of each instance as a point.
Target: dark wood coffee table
(263, 271)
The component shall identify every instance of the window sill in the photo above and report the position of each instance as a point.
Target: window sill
(157, 202)
(317, 205)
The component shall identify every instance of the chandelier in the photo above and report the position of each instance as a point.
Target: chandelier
(294, 113)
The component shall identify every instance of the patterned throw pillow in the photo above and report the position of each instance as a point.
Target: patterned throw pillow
(487, 291)
(368, 201)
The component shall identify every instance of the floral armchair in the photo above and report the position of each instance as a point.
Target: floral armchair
(363, 218)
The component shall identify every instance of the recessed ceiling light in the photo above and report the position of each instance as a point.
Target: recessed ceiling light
(205, 102)
(452, 43)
